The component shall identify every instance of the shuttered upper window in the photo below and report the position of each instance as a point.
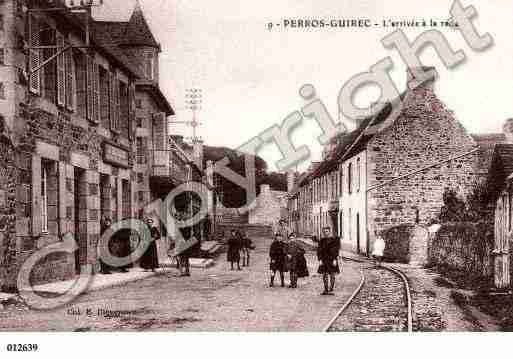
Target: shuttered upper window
(34, 56)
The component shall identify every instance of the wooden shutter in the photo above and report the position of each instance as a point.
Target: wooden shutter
(96, 92)
(81, 83)
(131, 110)
(90, 85)
(104, 97)
(70, 80)
(34, 56)
(114, 103)
(61, 72)
(49, 72)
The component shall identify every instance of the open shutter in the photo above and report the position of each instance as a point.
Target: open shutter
(49, 71)
(114, 103)
(131, 110)
(61, 72)
(96, 93)
(34, 57)
(89, 66)
(70, 80)
(81, 83)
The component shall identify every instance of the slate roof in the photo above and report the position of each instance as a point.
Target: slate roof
(135, 32)
(352, 143)
(112, 53)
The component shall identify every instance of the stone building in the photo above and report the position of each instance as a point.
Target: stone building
(155, 169)
(72, 143)
(269, 208)
(391, 171)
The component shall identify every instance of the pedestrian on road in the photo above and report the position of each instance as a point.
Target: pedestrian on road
(378, 249)
(234, 248)
(297, 261)
(327, 252)
(150, 260)
(247, 246)
(184, 264)
(278, 258)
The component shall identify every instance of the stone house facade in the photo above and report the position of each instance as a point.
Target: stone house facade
(70, 135)
(398, 169)
(269, 208)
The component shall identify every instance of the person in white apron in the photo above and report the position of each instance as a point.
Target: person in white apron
(378, 249)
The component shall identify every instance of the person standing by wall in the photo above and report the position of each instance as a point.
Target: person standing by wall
(378, 249)
(327, 252)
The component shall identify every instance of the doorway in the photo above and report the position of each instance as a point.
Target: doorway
(80, 220)
(358, 249)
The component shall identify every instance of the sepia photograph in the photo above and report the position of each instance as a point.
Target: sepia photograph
(191, 166)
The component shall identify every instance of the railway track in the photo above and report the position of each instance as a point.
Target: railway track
(381, 302)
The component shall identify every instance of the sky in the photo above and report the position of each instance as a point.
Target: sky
(250, 76)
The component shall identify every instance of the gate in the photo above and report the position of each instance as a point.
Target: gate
(501, 250)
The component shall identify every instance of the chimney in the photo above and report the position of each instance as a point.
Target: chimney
(198, 153)
(507, 128)
(424, 76)
(291, 180)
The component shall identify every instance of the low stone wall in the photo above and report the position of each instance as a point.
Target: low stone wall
(463, 246)
(406, 243)
(251, 230)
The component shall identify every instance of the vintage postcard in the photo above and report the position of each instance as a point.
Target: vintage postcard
(271, 166)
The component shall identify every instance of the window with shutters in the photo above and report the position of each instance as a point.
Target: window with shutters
(49, 71)
(2, 56)
(104, 97)
(70, 80)
(124, 109)
(2, 91)
(81, 83)
(61, 72)
(34, 56)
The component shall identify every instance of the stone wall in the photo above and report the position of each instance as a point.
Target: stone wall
(251, 230)
(463, 246)
(270, 206)
(426, 133)
(7, 209)
(406, 243)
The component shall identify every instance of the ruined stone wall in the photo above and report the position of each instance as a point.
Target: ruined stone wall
(426, 133)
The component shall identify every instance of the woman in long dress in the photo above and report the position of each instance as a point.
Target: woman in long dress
(150, 258)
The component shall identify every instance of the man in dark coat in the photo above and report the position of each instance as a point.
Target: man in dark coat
(297, 261)
(234, 247)
(150, 259)
(278, 258)
(327, 253)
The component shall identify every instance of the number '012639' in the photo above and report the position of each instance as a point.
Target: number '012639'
(22, 347)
